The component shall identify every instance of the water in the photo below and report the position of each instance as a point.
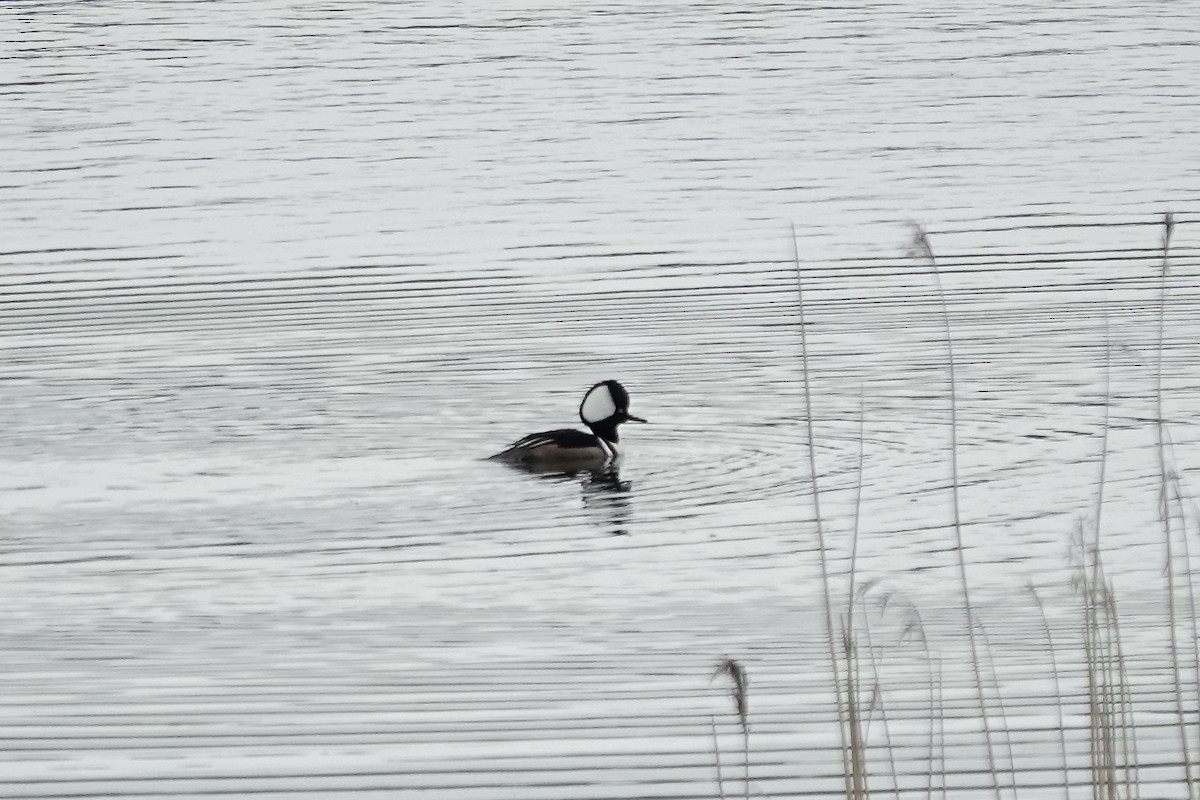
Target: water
(277, 277)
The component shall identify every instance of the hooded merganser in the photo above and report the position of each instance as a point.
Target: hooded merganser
(604, 407)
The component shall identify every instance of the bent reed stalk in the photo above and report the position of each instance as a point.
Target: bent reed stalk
(1165, 477)
(739, 690)
(924, 250)
(1058, 693)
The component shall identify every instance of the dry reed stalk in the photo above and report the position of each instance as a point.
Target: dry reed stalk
(851, 588)
(1097, 737)
(858, 739)
(1062, 724)
(1104, 428)
(922, 248)
(858, 747)
(917, 626)
(853, 770)
(1083, 586)
(1112, 739)
(991, 665)
(1109, 691)
(877, 701)
(717, 758)
(1165, 477)
(914, 627)
(1124, 701)
(740, 692)
(941, 731)
(1190, 593)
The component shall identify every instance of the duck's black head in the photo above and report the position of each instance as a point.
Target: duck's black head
(604, 407)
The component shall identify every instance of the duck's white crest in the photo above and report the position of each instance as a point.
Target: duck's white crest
(598, 405)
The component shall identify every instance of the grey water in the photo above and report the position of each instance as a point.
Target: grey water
(276, 277)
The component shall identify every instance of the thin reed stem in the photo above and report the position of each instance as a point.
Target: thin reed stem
(851, 588)
(858, 739)
(1190, 593)
(1165, 510)
(1112, 735)
(877, 694)
(717, 758)
(1104, 428)
(854, 712)
(1084, 585)
(991, 665)
(1099, 665)
(1124, 703)
(852, 771)
(941, 730)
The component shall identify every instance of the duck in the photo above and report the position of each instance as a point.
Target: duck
(604, 408)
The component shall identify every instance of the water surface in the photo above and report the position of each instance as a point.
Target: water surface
(275, 279)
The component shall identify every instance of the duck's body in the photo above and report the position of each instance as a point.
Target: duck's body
(604, 407)
(565, 448)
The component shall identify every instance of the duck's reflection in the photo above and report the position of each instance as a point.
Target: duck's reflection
(608, 496)
(605, 495)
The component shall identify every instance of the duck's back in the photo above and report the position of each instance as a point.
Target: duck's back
(566, 446)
